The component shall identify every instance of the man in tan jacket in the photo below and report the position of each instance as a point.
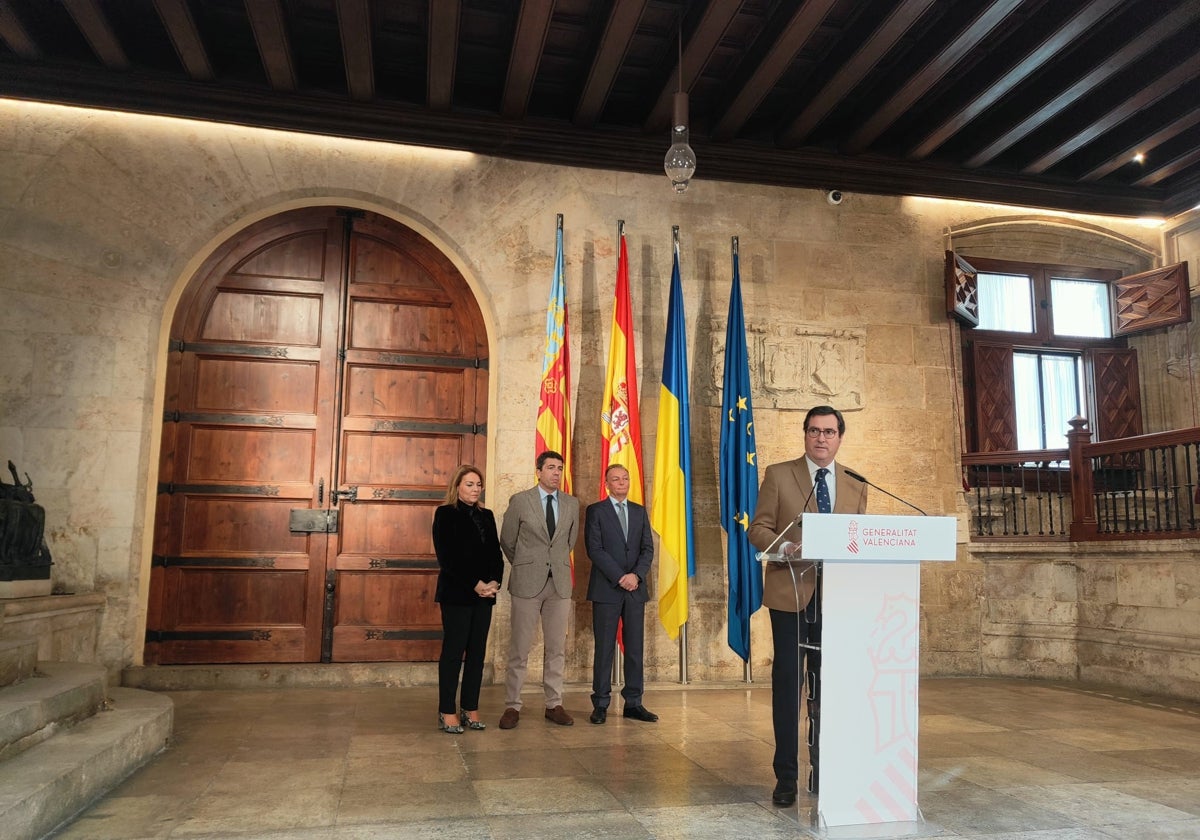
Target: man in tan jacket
(791, 590)
(538, 534)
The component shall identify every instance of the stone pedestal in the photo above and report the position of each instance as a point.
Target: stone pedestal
(24, 588)
(66, 627)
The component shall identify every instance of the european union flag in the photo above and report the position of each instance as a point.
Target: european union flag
(739, 474)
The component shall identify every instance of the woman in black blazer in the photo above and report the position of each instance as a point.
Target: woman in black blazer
(471, 567)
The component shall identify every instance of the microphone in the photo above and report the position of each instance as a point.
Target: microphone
(858, 477)
(795, 521)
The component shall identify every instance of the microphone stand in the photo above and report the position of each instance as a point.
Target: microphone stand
(858, 477)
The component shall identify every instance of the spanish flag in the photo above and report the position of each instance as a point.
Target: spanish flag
(620, 423)
(671, 510)
(554, 406)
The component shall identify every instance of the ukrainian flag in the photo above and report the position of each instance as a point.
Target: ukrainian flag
(671, 511)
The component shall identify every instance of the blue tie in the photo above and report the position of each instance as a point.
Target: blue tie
(823, 503)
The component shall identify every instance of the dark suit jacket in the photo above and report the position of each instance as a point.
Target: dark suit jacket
(464, 557)
(528, 547)
(783, 491)
(613, 556)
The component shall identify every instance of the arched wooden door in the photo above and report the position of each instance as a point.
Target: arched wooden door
(327, 375)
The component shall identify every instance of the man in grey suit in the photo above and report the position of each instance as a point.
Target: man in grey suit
(537, 536)
(621, 548)
(791, 591)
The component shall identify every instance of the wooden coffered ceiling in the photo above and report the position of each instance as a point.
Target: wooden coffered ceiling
(1034, 102)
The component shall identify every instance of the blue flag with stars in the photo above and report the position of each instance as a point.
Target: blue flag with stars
(739, 474)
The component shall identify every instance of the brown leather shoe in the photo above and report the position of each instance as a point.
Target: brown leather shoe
(509, 719)
(559, 715)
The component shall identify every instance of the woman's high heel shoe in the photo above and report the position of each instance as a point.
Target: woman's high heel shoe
(477, 725)
(449, 728)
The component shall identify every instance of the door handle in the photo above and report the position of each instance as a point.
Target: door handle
(321, 493)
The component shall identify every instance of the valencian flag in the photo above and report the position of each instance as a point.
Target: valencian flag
(554, 407)
(620, 425)
(739, 473)
(671, 511)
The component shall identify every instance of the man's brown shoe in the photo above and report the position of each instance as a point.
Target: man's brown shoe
(559, 715)
(509, 719)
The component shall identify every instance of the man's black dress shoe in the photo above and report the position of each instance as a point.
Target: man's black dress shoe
(784, 794)
(599, 715)
(640, 713)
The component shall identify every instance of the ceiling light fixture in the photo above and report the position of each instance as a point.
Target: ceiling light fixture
(1139, 158)
(680, 162)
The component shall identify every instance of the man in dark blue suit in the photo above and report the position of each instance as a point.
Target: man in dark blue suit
(621, 548)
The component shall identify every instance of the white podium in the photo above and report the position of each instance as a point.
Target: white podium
(870, 653)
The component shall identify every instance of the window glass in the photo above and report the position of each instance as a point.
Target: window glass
(1048, 396)
(1080, 308)
(1005, 302)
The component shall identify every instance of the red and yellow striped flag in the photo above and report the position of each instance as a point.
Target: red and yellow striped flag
(620, 424)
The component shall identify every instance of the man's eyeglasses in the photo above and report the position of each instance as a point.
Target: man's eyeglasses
(814, 432)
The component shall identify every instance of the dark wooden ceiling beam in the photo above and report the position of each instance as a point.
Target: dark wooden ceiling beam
(1171, 167)
(697, 52)
(443, 53)
(270, 33)
(614, 43)
(90, 19)
(882, 40)
(354, 27)
(775, 63)
(533, 22)
(1056, 42)
(1144, 98)
(1144, 145)
(15, 34)
(1122, 59)
(933, 72)
(177, 19)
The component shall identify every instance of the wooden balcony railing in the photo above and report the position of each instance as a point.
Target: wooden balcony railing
(1143, 487)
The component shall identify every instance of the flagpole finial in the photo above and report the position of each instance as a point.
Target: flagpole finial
(675, 236)
(620, 228)
(560, 221)
(733, 242)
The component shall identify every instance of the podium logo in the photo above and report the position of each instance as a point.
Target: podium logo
(852, 537)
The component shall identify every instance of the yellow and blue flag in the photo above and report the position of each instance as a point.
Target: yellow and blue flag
(671, 511)
(739, 474)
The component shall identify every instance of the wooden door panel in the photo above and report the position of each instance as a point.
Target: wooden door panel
(241, 597)
(386, 529)
(274, 456)
(241, 527)
(414, 393)
(255, 385)
(237, 315)
(405, 327)
(410, 460)
(382, 616)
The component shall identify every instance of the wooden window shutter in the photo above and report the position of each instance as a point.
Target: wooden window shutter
(994, 399)
(1116, 391)
(962, 290)
(1157, 298)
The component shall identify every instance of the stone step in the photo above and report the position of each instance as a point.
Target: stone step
(53, 781)
(18, 658)
(58, 695)
(295, 675)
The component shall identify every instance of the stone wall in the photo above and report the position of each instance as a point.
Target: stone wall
(1118, 613)
(105, 217)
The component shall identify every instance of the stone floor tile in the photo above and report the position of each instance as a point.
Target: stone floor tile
(594, 825)
(540, 796)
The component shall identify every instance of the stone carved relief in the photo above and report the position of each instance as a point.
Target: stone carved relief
(794, 366)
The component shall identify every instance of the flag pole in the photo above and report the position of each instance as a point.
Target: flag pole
(618, 668)
(683, 628)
